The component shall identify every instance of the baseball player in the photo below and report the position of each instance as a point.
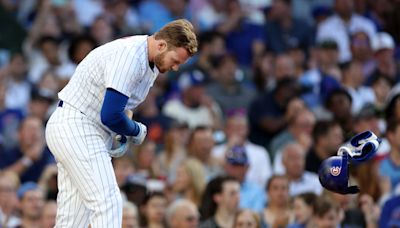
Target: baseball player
(112, 78)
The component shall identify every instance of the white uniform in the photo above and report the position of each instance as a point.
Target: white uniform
(88, 191)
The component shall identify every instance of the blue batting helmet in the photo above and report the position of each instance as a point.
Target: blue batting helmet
(334, 175)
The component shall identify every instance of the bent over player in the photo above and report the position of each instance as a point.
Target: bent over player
(113, 78)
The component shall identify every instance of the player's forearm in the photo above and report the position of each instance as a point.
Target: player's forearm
(113, 116)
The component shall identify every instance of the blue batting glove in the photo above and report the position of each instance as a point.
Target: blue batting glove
(361, 147)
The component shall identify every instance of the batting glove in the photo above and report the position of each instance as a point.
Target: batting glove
(138, 139)
(120, 151)
(361, 147)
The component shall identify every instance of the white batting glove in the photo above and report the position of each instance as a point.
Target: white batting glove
(138, 139)
(120, 151)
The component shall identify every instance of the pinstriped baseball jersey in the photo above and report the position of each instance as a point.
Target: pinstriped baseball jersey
(122, 65)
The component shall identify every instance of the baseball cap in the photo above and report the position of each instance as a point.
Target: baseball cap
(237, 156)
(327, 44)
(382, 40)
(42, 95)
(26, 187)
(321, 10)
(191, 78)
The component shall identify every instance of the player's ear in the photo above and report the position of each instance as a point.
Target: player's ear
(162, 45)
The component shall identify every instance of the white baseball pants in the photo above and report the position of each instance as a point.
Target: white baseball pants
(88, 191)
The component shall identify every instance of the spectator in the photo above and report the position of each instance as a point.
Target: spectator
(237, 165)
(342, 22)
(303, 210)
(326, 213)
(48, 182)
(10, 119)
(320, 79)
(80, 47)
(327, 137)
(211, 46)
(145, 157)
(353, 82)
(299, 130)
(48, 218)
(124, 17)
(300, 181)
(130, 216)
(383, 47)
(370, 119)
(284, 67)
(201, 143)
(339, 103)
(40, 103)
(228, 90)
(285, 31)
(244, 38)
(381, 85)
(247, 218)
(50, 57)
(153, 210)
(32, 203)
(267, 111)
(392, 110)
(358, 212)
(174, 151)
(182, 213)
(190, 181)
(101, 30)
(370, 181)
(50, 83)
(390, 213)
(18, 88)
(123, 169)
(220, 202)
(167, 10)
(263, 78)
(9, 183)
(195, 107)
(361, 50)
(32, 156)
(236, 132)
(277, 213)
(390, 166)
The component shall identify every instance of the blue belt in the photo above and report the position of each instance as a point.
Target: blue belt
(61, 103)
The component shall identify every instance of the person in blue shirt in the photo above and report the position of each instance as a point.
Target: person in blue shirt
(31, 156)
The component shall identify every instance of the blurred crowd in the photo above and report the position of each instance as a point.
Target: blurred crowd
(236, 136)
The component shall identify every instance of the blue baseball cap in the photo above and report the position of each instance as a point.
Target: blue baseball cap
(26, 187)
(237, 156)
(191, 78)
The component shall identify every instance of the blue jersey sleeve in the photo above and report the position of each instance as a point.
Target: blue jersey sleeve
(113, 116)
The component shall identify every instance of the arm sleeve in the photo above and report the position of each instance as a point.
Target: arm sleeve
(113, 116)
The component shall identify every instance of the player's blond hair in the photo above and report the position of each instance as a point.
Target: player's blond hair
(179, 33)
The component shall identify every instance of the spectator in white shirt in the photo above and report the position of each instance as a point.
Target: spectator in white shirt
(341, 24)
(301, 181)
(353, 81)
(236, 130)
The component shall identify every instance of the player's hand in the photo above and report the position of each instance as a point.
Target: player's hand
(137, 140)
(121, 150)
